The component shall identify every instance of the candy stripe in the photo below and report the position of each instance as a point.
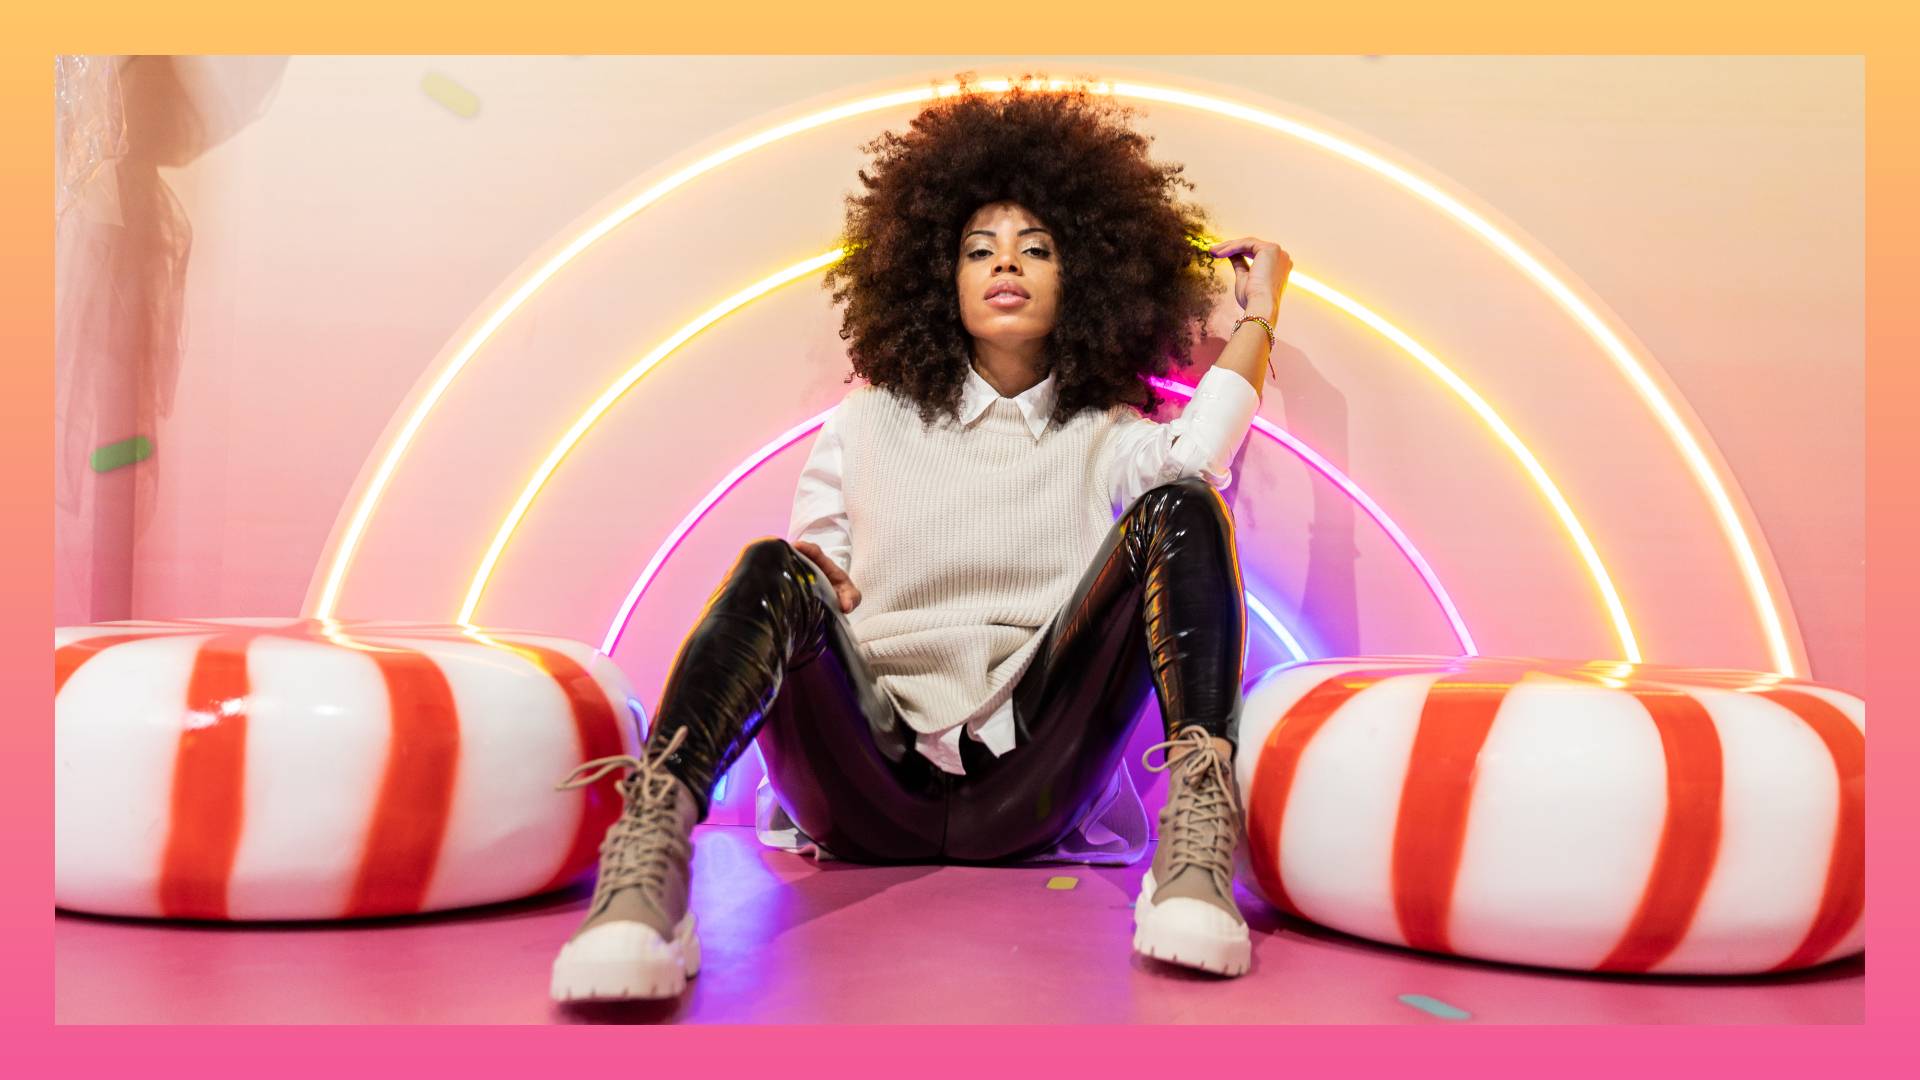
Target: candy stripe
(69, 658)
(1431, 830)
(1433, 819)
(414, 802)
(1689, 839)
(209, 783)
(416, 791)
(1844, 898)
(1279, 762)
(598, 728)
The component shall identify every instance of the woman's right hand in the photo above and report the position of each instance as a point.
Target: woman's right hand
(843, 586)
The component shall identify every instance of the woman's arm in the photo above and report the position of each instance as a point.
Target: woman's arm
(1260, 272)
(1207, 434)
(1201, 441)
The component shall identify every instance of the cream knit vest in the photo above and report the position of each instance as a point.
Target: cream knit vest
(965, 542)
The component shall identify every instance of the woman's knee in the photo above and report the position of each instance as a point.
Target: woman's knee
(1187, 500)
(773, 559)
(769, 551)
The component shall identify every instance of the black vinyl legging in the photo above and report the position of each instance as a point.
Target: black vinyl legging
(1161, 608)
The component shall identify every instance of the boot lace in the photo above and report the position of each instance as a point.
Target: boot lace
(1203, 817)
(647, 843)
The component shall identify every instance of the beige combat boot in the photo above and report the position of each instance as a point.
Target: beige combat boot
(638, 939)
(1186, 913)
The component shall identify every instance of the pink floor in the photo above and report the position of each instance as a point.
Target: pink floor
(791, 941)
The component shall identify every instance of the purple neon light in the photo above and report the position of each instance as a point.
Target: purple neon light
(798, 431)
(1379, 515)
(679, 533)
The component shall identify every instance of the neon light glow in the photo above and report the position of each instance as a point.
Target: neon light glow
(1610, 344)
(1287, 640)
(1372, 509)
(390, 461)
(1306, 453)
(1701, 468)
(1622, 626)
(759, 457)
(477, 588)
(1254, 605)
(605, 401)
(672, 542)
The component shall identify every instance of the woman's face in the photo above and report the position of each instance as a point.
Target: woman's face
(1006, 250)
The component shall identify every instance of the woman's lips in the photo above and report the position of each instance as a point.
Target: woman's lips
(1006, 300)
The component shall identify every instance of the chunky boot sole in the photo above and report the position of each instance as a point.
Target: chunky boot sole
(626, 961)
(1189, 932)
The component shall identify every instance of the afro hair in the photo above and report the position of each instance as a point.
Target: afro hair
(1137, 281)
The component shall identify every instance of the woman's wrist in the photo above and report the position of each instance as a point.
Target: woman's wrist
(1262, 325)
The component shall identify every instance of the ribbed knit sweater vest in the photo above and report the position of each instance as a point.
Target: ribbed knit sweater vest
(965, 542)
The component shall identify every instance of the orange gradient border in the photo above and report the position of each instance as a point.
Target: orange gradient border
(1886, 33)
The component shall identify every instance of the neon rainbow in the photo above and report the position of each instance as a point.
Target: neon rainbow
(1623, 358)
(1353, 491)
(799, 431)
(1266, 617)
(605, 401)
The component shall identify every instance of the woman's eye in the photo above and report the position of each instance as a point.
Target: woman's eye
(1040, 251)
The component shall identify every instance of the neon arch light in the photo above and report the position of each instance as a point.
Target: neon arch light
(1570, 521)
(1611, 346)
(739, 473)
(799, 431)
(598, 408)
(1274, 627)
(595, 411)
(1372, 509)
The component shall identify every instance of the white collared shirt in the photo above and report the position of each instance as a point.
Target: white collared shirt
(1201, 441)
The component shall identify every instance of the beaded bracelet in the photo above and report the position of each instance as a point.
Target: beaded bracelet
(1268, 327)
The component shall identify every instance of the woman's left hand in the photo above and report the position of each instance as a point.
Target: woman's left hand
(1256, 286)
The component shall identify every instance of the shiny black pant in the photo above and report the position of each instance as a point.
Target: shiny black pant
(1160, 609)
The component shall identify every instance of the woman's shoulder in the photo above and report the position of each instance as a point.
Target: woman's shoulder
(867, 395)
(860, 401)
(869, 404)
(866, 411)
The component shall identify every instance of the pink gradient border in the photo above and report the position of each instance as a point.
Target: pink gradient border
(35, 1047)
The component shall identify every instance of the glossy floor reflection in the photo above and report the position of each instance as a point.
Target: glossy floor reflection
(791, 941)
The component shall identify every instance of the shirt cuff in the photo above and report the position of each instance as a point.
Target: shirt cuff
(943, 749)
(1229, 392)
(996, 731)
(1216, 422)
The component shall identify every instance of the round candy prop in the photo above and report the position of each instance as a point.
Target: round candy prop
(1595, 816)
(319, 769)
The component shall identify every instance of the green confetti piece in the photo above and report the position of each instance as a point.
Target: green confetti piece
(123, 453)
(1434, 1007)
(1062, 882)
(457, 99)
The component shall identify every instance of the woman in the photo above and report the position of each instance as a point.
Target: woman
(1033, 555)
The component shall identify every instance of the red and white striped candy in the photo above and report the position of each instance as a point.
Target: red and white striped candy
(1594, 816)
(307, 769)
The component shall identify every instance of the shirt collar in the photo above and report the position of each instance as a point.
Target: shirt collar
(1036, 402)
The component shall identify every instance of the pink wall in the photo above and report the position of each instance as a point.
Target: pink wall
(351, 224)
